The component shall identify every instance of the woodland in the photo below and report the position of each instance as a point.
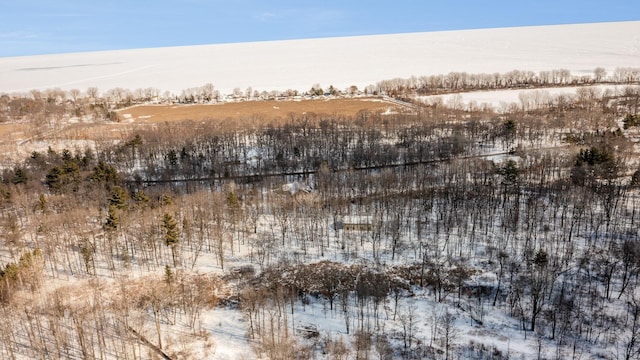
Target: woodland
(480, 225)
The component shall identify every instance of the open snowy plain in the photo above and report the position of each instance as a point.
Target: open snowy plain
(341, 62)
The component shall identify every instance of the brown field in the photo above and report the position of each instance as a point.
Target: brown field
(17, 140)
(267, 110)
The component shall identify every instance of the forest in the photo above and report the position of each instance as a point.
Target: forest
(405, 235)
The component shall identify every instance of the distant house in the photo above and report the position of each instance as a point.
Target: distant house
(357, 223)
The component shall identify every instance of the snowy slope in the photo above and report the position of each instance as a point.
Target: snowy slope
(360, 61)
(501, 99)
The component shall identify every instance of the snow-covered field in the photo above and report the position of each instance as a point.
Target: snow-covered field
(503, 99)
(341, 62)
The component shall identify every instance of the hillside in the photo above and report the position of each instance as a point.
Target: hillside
(341, 62)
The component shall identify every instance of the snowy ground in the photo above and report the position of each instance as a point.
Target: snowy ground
(502, 100)
(341, 62)
(229, 333)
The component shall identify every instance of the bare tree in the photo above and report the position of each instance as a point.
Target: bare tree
(448, 332)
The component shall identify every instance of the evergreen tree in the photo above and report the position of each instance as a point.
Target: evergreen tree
(510, 172)
(54, 179)
(43, 203)
(171, 235)
(166, 199)
(20, 176)
(104, 173)
(66, 155)
(113, 220)
(86, 249)
(594, 163)
(232, 200)
(509, 131)
(136, 141)
(141, 198)
(172, 157)
(119, 198)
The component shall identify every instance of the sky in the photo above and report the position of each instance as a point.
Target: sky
(33, 27)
